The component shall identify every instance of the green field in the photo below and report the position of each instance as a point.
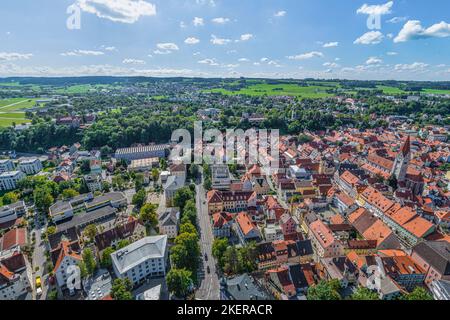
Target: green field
(391, 90)
(11, 111)
(436, 91)
(312, 92)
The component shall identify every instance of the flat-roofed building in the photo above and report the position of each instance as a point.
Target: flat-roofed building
(220, 177)
(6, 165)
(143, 259)
(30, 166)
(12, 211)
(9, 179)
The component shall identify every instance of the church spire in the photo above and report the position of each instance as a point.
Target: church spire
(406, 148)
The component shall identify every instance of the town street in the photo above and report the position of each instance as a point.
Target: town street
(209, 288)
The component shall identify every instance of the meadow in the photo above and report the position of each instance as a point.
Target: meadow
(11, 111)
(288, 89)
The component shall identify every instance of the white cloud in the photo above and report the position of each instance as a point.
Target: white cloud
(210, 62)
(166, 48)
(397, 19)
(110, 48)
(264, 59)
(373, 60)
(380, 9)
(13, 56)
(331, 44)
(416, 66)
(413, 30)
(371, 37)
(79, 53)
(183, 25)
(191, 40)
(198, 22)
(125, 11)
(331, 65)
(305, 56)
(246, 37)
(133, 61)
(220, 20)
(219, 41)
(244, 60)
(392, 53)
(279, 14)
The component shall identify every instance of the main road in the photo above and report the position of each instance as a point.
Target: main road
(210, 286)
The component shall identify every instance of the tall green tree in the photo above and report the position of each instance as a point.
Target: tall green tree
(179, 282)
(121, 289)
(324, 290)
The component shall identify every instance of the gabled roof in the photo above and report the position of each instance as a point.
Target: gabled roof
(13, 238)
(435, 253)
(65, 249)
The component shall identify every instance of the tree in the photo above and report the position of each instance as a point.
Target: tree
(43, 198)
(106, 261)
(231, 261)
(363, 293)
(179, 282)
(420, 294)
(85, 167)
(138, 182)
(148, 215)
(69, 193)
(155, 174)
(123, 243)
(325, 290)
(118, 182)
(89, 261)
(10, 197)
(91, 231)
(139, 198)
(188, 227)
(219, 248)
(182, 196)
(121, 289)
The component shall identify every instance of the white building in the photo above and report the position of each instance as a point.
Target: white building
(143, 259)
(172, 185)
(6, 165)
(30, 166)
(63, 258)
(12, 211)
(9, 179)
(93, 182)
(220, 177)
(142, 152)
(15, 275)
(169, 222)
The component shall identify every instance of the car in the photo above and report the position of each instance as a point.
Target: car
(208, 269)
(38, 282)
(206, 257)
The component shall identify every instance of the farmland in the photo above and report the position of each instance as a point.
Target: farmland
(11, 111)
(285, 89)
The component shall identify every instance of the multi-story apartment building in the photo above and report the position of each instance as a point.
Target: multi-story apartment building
(30, 166)
(6, 165)
(143, 259)
(324, 243)
(230, 201)
(12, 211)
(9, 179)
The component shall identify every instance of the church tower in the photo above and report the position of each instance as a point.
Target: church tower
(402, 160)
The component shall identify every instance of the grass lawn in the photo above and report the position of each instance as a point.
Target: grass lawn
(15, 104)
(390, 90)
(7, 122)
(436, 91)
(279, 90)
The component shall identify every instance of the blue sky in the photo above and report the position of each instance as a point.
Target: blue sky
(227, 38)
